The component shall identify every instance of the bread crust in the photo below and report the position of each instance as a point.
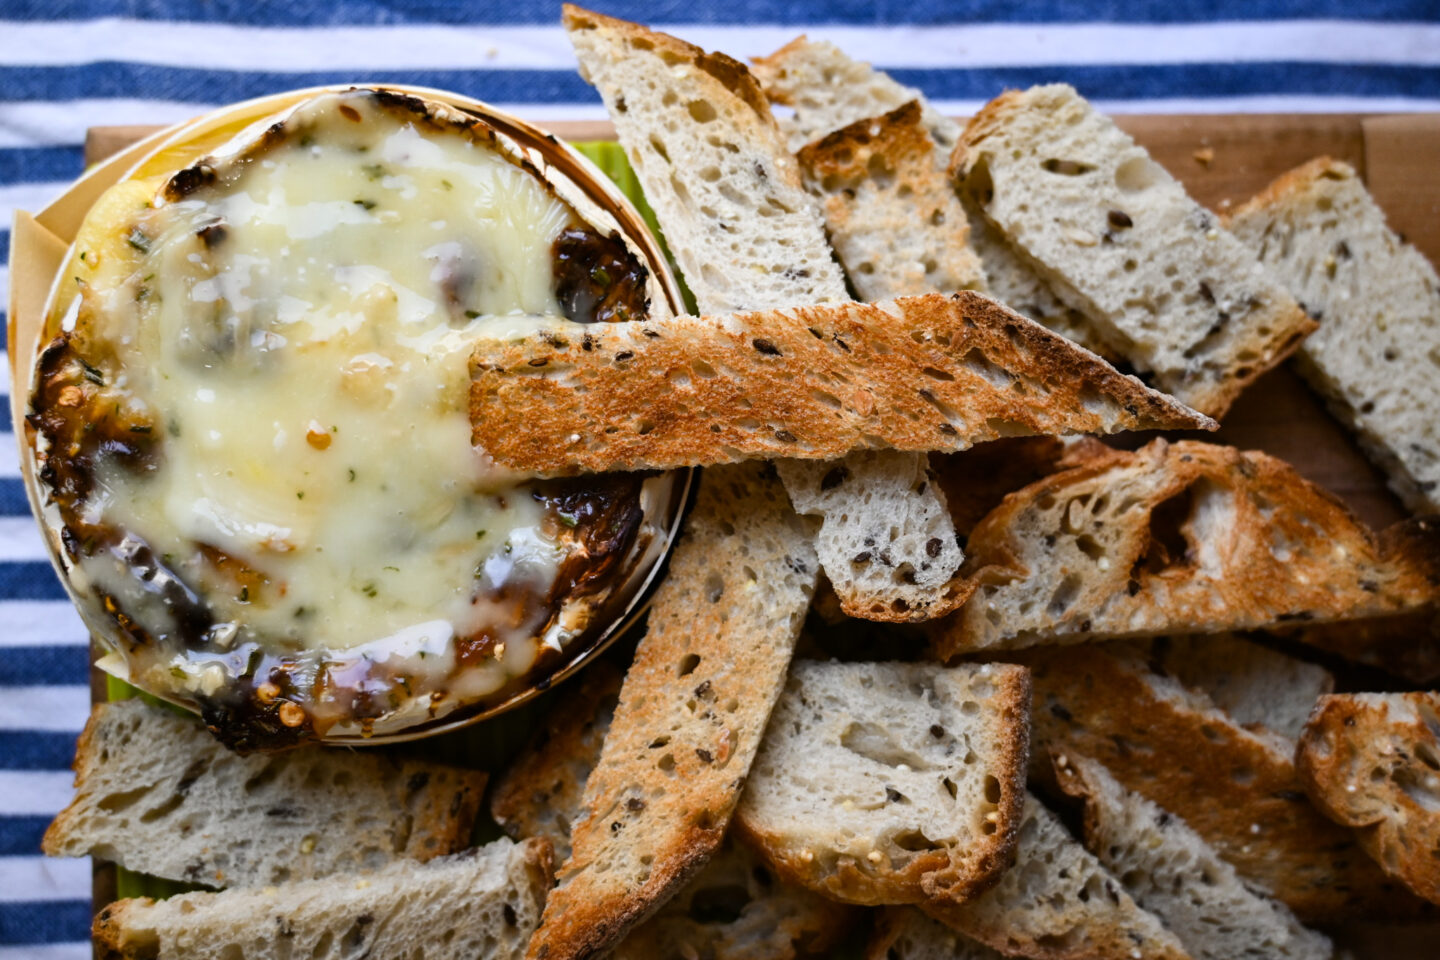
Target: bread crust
(1367, 761)
(920, 374)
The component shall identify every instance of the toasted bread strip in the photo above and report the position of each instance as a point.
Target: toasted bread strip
(931, 763)
(1057, 902)
(1118, 238)
(904, 933)
(1177, 876)
(921, 373)
(1378, 303)
(1372, 761)
(481, 903)
(1406, 645)
(975, 481)
(1181, 538)
(892, 217)
(1237, 789)
(693, 707)
(156, 793)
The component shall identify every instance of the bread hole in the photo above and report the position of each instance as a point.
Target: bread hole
(354, 937)
(880, 170)
(1130, 266)
(710, 175)
(873, 742)
(913, 841)
(979, 184)
(931, 266)
(164, 809)
(658, 146)
(644, 426)
(701, 111)
(1166, 547)
(970, 708)
(718, 905)
(1066, 168)
(1005, 427)
(977, 363)
(828, 399)
(124, 801)
(904, 191)
(1209, 732)
(671, 59)
(950, 787)
(702, 369)
(992, 789)
(688, 663)
(714, 588)
(232, 951)
(1090, 547)
(1064, 595)
(937, 219)
(667, 764)
(1138, 173)
(1243, 776)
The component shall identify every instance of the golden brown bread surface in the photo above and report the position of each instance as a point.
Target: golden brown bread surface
(694, 704)
(1181, 538)
(1372, 761)
(921, 373)
(1238, 790)
(976, 480)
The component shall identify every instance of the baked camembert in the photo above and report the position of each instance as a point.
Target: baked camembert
(252, 431)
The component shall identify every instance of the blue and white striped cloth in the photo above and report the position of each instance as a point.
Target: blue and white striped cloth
(66, 65)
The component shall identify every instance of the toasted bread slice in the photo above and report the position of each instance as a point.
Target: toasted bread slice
(904, 933)
(480, 903)
(828, 90)
(1236, 788)
(891, 782)
(1057, 902)
(693, 707)
(1372, 761)
(1161, 281)
(921, 373)
(540, 795)
(1259, 688)
(1378, 303)
(1172, 872)
(892, 217)
(1406, 645)
(736, 909)
(1181, 538)
(156, 793)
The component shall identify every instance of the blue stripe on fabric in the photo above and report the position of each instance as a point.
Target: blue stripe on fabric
(12, 498)
(32, 580)
(5, 246)
(41, 164)
(54, 921)
(43, 666)
(20, 836)
(738, 12)
(36, 750)
(565, 86)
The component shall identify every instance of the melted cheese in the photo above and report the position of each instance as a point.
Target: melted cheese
(300, 332)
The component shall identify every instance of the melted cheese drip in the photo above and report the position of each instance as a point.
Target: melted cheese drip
(308, 364)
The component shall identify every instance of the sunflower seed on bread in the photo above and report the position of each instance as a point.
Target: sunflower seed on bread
(1378, 303)
(921, 373)
(1058, 902)
(1372, 761)
(480, 903)
(1177, 876)
(1238, 789)
(1180, 538)
(891, 216)
(1116, 237)
(721, 631)
(891, 782)
(156, 793)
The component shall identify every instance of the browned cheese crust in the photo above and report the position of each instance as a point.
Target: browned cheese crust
(1372, 762)
(1181, 538)
(692, 710)
(1240, 792)
(921, 373)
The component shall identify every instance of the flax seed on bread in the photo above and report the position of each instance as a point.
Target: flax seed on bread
(1376, 356)
(480, 903)
(1172, 872)
(891, 782)
(1181, 538)
(1372, 761)
(721, 631)
(156, 793)
(1116, 237)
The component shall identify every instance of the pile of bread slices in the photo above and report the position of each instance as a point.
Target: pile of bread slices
(1051, 739)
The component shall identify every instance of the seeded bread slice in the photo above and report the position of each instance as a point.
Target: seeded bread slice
(1372, 761)
(156, 793)
(1259, 688)
(1376, 356)
(1163, 283)
(1181, 538)
(1057, 902)
(1177, 876)
(904, 933)
(481, 903)
(540, 794)
(722, 628)
(1237, 789)
(921, 373)
(891, 216)
(891, 782)
(828, 90)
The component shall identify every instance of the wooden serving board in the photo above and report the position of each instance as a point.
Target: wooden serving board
(1223, 160)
